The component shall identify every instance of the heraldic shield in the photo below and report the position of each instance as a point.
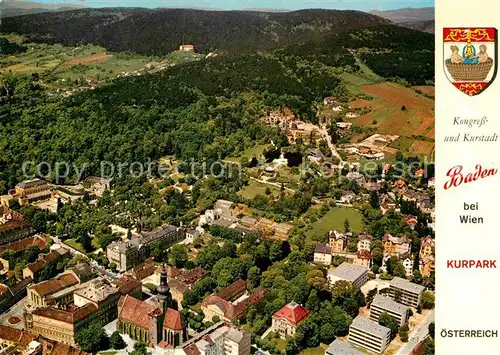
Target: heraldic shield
(470, 61)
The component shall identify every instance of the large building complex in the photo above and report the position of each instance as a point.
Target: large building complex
(383, 304)
(369, 335)
(406, 292)
(59, 324)
(220, 339)
(129, 253)
(356, 274)
(27, 192)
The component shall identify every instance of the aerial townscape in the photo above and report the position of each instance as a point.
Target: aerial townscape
(172, 183)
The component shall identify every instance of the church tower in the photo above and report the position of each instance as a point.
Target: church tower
(164, 296)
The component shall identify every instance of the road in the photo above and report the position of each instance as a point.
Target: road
(417, 335)
(328, 139)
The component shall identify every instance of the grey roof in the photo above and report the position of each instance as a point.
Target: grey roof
(349, 272)
(339, 347)
(389, 304)
(406, 285)
(368, 326)
(323, 249)
(159, 232)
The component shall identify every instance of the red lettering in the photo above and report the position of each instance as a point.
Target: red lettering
(456, 176)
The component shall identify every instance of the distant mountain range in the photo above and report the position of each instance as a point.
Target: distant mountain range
(11, 8)
(418, 19)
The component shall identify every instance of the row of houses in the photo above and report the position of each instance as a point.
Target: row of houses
(399, 247)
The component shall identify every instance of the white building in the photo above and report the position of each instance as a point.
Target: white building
(358, 275)
(369, 335)
(386, 304)
(406, 292)
(364, 242)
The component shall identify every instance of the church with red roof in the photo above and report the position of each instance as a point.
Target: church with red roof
(288, 318)
(154, 322)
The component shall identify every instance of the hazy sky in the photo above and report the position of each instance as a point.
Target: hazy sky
(366, 5)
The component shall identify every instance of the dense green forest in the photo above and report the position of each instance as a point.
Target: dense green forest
(202, 110)
(390, 51)
(160, 31)
(8, 48)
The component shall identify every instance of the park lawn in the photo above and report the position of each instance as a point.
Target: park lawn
(249, 153)
(320, 350)
(255, 188)
(281, 344)
(78, 246)
(74, 244)
(334, 220)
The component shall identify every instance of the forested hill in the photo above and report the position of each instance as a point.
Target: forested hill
(159, 31)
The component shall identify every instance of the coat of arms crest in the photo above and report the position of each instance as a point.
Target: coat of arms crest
(470, 58)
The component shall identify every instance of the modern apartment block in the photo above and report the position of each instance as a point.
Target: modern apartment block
(358, 275)
(369, 335)
(386, 304)
(406, 292)
(339, 347)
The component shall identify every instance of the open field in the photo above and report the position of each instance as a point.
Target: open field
(90, 59)
(355, 79)
(334, 220)
(255, 188)
(427, 90)
(421, 148)
(398, 110)
(60, 66)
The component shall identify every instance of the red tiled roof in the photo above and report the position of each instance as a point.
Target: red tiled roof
(70, 316)
(236, 288)
(292, 312)
(43, 260)
(3, 289)
(192, 276)
(134, 311)
(191, 349)
(127, 284)
(172, 271)
(364, 254)
(55, 285)
(15, 335)
(179, 286)
(173, 320)
(24, 243)
(164, 345)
